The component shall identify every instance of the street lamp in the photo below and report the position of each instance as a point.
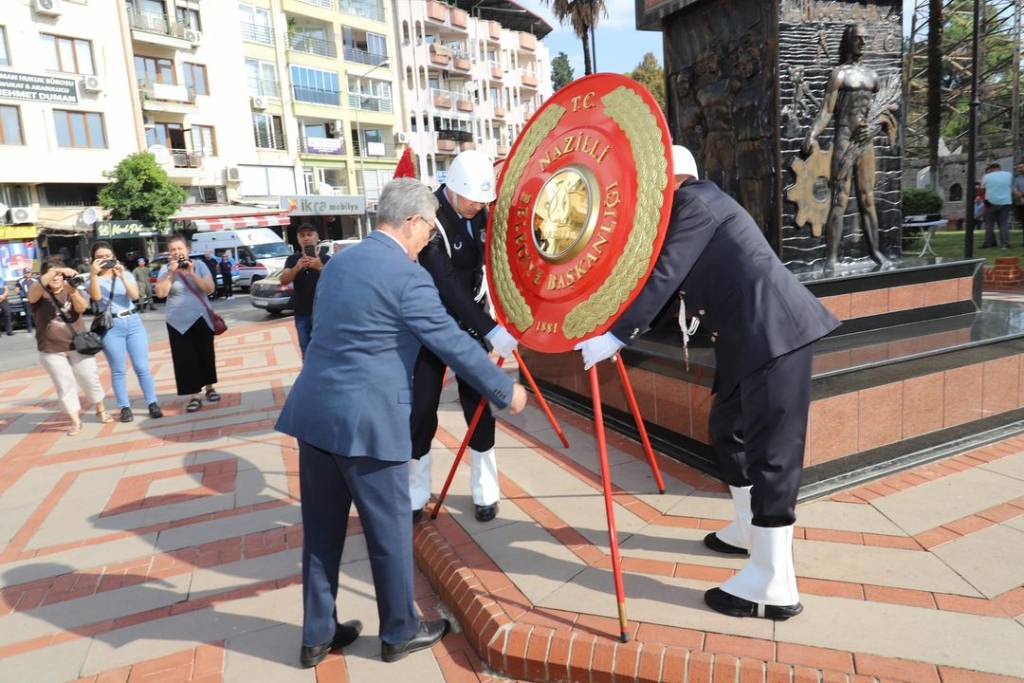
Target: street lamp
(359, 138)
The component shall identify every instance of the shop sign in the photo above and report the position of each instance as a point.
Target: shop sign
(21, 86)
(324, 205)
(113, 230)
(17, 232)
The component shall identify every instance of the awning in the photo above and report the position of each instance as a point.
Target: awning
(240, 222)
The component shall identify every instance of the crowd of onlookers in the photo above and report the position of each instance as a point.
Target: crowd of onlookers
(997, 195)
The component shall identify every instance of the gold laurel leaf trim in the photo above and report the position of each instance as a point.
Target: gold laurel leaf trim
(508, 293)
(628, 109)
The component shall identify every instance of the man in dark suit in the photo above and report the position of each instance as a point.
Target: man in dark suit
(349, 410)
(762, 322)
(455, 260)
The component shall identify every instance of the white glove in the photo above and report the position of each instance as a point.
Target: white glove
(502, 342)
(598, 349)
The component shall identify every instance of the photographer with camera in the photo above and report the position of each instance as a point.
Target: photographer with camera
(303, 269)
(57, 307)
(113, 289)
(185, 284)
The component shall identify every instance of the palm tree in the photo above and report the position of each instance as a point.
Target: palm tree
(582, 15)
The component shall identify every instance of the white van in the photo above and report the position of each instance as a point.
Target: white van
(258, 251)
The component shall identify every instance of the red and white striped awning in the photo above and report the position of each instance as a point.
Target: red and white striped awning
(234, 222)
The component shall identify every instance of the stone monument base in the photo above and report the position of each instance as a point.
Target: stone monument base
(920, 366)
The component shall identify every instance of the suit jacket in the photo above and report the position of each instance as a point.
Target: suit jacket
(727, 275)
(459, 277)
(374, 309)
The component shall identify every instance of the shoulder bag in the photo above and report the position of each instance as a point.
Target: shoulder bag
(104, 321)
(219, 326)
(86, 343)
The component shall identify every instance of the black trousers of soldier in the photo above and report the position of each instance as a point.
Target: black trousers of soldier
(758, 432)
(427, 383)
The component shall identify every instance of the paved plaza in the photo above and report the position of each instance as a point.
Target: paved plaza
(169, 550)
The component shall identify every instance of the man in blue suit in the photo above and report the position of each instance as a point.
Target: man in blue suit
(374, 309)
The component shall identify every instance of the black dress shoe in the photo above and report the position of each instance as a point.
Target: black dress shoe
(154, 410)
(430, 632)
(417, 515)
(485, 513)
(719, 546)
(126, 414)
(720, 601)
(344, 634)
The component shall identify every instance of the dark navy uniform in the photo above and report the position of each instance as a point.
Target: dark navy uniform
(459, 278)
(761, 321)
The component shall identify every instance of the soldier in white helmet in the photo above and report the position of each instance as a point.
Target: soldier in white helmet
(455, 259)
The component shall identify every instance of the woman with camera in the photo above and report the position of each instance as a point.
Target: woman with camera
(186, 283)
(112, 288)
(57, 308)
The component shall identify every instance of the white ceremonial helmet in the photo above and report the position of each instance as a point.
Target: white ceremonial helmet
(472, 176)
(683, 162)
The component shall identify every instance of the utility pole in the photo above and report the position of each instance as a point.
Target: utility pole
(972, 138)
(935, 20)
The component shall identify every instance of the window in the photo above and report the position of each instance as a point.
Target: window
(369, 94)
(268, 131)
(316, 86)
(256, 26)
(195, 78)
(10, 126)
(956, 193)
(5, 56)
(262, 77)
(203, 141)
(189, 18)
(79, 129)
(67, 194)
(170, 135)
(69, 55)
(154, 70)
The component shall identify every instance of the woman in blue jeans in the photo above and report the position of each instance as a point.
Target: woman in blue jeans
(128, 335)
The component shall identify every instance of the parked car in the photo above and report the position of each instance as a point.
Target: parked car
(332, 247)
(160, 260)
(270, 295)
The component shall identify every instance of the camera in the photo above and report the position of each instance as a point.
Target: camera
(183, 263)
(108, 264)
(77, 281)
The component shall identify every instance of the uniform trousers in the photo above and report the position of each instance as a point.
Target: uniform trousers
(428, 381)
(758, 432)
(329, 484)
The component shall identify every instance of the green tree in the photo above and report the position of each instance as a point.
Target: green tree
(651, 75)
(140, 191)
(561, 71)
(582, 15)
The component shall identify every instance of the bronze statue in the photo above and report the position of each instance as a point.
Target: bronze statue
(853, 99)
(715, 95)
(753, 129)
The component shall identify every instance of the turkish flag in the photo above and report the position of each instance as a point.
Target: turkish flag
(406, 168)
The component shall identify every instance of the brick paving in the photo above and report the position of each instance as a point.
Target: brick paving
(169, 551)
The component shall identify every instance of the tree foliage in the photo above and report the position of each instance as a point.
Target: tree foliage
(561, 71)
(650, 74)
(140, 191)
(582, 16)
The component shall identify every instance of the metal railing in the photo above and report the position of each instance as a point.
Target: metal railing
(370, 102)
(438, 92)
(316, 95)
(326, 4)
(156, 23)
(362, 8)
(374, 150)
(264, 87)
(455, 135)
(312, 45)
(326, 146)
(254, 33)
(355, 54)
(183, 158)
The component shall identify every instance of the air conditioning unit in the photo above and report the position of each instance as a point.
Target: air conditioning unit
(49, 7)
(23, 214)
(402, 138)
(232, 174)
(193, 36)
(92, 84)
(258, 103)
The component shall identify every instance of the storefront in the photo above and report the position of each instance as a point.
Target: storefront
(132, 240)
(18, 250)
(193, 218)
(336, 217)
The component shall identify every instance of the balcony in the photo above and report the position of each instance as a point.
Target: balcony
(446, 145)
(322, 146)
(355, 54)
(440, 55)
(374, 150)
(254, 33)
(442, 98)
(368, 9)
(167, 98)
(182, 158)
(493, 30)
(500, 111)
(157, 29)
(312, 45)
(497, 73)
(460, 60)
(527, 41)
(264, 87)
(502, 150)
(528, 79)
(466, 146)
(463, 102)
(325, 4)
(316, 96)
(370, 103)
(437, 11)
(459, 18)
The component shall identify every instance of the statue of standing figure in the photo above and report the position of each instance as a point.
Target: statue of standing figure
(852, 99)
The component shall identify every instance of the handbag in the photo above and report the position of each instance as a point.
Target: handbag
(103, 322)
(87, 343)
(219, 326)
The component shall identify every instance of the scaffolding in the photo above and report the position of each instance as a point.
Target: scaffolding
(999, 96)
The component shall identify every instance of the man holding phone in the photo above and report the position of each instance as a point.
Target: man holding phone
(302, 271)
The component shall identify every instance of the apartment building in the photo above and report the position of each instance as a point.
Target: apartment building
(472, 74)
